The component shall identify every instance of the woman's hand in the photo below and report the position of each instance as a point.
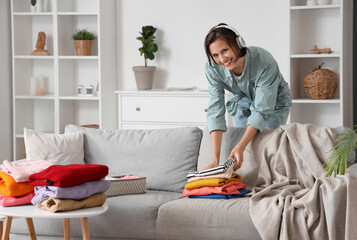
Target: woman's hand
(211, 165)
(237, 152)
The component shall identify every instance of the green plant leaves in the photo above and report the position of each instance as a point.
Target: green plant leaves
(147, 39)
(83, 34)
(337, 162)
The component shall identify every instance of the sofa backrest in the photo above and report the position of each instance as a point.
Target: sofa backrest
(163, 156)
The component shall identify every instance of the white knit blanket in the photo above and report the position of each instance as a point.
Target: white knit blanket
(291, 197)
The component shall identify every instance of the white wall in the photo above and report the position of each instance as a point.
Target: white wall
(182, 26)
(5, 82)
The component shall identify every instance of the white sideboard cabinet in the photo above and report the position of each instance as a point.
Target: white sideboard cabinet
(62, 70)
(327, 26)
(162, 109)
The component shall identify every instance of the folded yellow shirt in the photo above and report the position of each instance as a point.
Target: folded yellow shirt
(212, 182)
(9, 187)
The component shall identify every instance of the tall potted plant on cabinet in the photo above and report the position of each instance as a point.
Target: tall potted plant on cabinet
(144, 75)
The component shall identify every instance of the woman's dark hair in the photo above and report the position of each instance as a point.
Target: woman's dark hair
(226, 34)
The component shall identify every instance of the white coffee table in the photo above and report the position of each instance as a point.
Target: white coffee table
(31, 211)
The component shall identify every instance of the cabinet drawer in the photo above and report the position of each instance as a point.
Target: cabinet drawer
(164, 109)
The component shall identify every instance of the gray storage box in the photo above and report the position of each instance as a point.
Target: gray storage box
(125, 186)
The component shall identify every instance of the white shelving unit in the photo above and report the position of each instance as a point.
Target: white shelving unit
(327, 26)
(63, 70)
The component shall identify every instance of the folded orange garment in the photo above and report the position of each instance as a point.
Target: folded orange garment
(212, 182)
(226, 189)
(9, 187)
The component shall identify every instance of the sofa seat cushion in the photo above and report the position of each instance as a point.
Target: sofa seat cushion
(163, 156)
(128, 217)
(204, 219)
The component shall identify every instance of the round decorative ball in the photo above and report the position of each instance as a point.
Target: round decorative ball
(320, 83)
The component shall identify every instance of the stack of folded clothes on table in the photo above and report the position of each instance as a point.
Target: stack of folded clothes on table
(70, 187)
(14, 187)
(217, 182)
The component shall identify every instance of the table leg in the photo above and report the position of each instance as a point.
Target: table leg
(1, 228)
(6, 233)
(85, 228)
(31, 228)
(67, 228)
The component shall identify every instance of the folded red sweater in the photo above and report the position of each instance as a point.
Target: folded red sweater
(68, 175)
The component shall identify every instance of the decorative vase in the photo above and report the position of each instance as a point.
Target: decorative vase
(83, 47)
(39, 6)
(144, 77)
(33, 8)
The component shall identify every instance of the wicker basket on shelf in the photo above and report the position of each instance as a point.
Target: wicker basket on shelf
(320, 83)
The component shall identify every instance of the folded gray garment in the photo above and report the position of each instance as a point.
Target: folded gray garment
(76, 192)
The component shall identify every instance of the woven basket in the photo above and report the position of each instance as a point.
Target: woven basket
(320, 83)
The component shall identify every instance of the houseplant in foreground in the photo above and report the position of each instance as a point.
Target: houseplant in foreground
(337, 162)
(144, 75)
(83, 42)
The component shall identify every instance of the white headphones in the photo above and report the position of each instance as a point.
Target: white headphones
(240, 40)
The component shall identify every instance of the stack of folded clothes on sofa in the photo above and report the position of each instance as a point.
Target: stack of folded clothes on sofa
(14, 187)
(217, 182)
(70, 187)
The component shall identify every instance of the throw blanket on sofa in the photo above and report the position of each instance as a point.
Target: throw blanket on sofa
(285, 169)
(68, 175)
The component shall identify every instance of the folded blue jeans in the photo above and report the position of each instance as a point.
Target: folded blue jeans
(281, 110)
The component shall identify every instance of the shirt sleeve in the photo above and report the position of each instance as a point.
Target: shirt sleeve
(265, 97)
(216, 108)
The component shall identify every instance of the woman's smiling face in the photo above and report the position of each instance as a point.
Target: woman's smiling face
(223, 54)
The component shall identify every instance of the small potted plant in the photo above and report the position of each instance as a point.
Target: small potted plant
(83, 42)
(144, 75)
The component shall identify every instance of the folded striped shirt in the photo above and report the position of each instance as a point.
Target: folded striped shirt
(217, 169)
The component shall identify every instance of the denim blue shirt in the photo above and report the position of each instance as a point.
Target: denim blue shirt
(259, 82)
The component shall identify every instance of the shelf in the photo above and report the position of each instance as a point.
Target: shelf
(33, 13)
(326, 26)
(62, 71)
(74, 97)
(77, 13)
(33, 57)
(313, 7)
(308, 55)
(47, 96)
(308, 101)
(79, 57)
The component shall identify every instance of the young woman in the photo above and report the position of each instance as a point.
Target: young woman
(260, 97)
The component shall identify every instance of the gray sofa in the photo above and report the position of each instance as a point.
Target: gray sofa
(164, 157)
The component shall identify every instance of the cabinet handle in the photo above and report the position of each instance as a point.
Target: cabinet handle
(137, 109)
(206, 109)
